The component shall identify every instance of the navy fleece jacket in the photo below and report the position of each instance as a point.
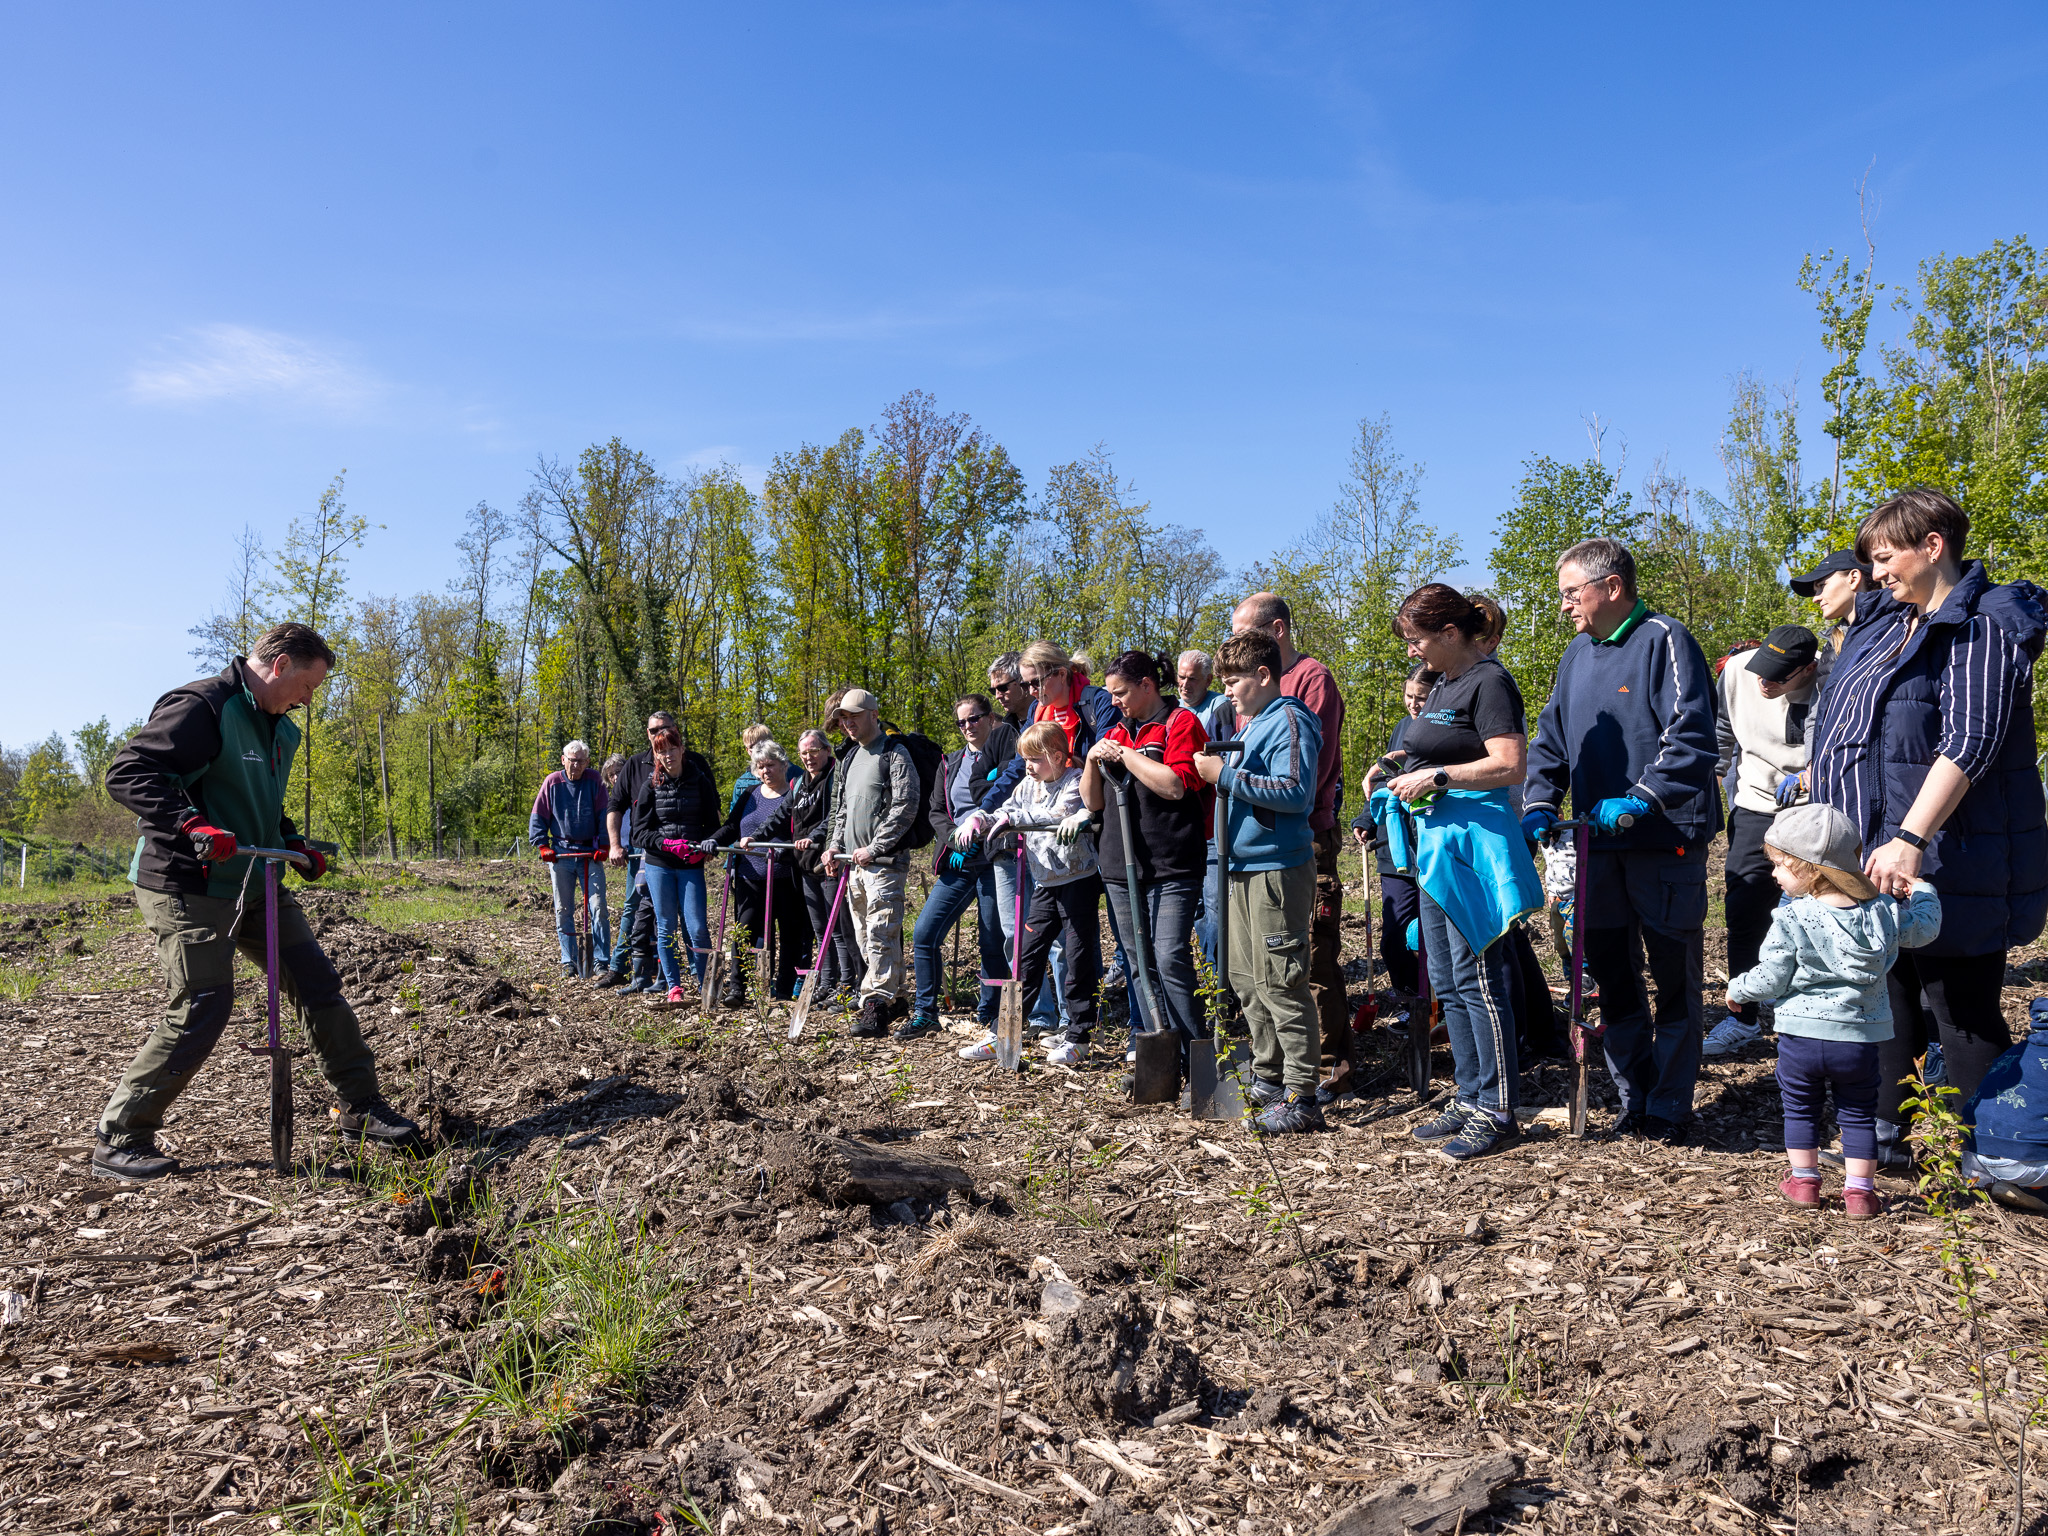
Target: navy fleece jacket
(1631, 715)
(1272, 787)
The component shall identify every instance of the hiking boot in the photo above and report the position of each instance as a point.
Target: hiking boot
(918, 1027)
(1257, 1090)
(897, 1007)
(1294, 1115)
(1801, 1192)
(568, 971)
(981, 1050)
(1632, 1126)
(374, 1120)
(1673, 1133)
(1068, 1053)
(1730, 1036)
(638, 984)
(1863, 1204)
(608, 978)
(1445, 1124)
(1482, 1137)
(871, 1023)
(133, 1164)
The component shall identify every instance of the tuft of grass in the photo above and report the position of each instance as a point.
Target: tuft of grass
(395, 912)
(383, 1490)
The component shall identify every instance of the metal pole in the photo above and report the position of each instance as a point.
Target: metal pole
(384, 772)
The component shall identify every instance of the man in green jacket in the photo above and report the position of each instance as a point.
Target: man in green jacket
(204, 776)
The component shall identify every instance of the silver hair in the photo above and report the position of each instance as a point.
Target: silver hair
(1005, 666)
(1201, 659)
(768, 751)
(1600, 558)
(823, 740)
(578, 745)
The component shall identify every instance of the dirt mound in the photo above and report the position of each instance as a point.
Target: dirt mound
(1110, 1361)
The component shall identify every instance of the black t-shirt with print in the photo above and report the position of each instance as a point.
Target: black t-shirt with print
(1463, 712)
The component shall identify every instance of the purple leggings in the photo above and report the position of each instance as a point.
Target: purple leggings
(1807, 1068)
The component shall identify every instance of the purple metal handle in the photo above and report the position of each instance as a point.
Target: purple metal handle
(270, 943)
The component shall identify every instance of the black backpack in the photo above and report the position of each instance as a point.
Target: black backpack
(930, 761)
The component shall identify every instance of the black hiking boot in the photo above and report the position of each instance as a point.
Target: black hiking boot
(872, 1022)
(608, 978)
(132, 1164)
(1294, 1115)
(375, 1121)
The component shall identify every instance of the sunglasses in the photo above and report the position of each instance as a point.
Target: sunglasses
(660, 732)
(972, 720)
(1034, 683)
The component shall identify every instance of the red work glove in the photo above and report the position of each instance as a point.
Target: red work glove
(547, 854)
(213, 845)
(314, 857)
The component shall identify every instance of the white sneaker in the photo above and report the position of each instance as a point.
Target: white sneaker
(1066, 1054)
(981, 1050)
(1730, 1036)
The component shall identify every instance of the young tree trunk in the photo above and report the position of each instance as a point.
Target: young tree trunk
(384, 773)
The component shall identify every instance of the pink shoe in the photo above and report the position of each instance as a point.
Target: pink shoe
(675, 994)
(1800, 1191)
(1863, 1204)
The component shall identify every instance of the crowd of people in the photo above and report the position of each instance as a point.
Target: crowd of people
(1886, 847)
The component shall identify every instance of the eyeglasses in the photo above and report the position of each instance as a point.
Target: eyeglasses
(1569, 596)
(973, 720)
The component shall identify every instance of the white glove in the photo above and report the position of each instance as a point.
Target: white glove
(969, 830)
(1072, 828)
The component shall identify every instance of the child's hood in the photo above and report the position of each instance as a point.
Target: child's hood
(1856, 942)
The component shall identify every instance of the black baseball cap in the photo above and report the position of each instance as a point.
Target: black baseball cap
(1785, 650)
(1840, 560)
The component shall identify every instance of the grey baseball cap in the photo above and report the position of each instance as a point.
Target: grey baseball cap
(1822, 835)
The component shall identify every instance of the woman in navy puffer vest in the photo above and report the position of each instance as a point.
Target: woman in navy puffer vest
(1924, 739)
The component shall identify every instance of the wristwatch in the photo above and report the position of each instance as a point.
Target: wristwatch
(1440, 779)
(1913, 839)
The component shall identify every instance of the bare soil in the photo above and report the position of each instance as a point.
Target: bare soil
(1118, 1320)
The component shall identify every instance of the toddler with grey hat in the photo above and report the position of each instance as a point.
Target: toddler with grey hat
(1825, 961)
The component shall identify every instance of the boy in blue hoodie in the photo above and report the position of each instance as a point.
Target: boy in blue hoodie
(1272, 877)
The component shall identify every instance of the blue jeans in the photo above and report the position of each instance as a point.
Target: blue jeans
(1169, 921)
(1479, 1012)
(1205, 916)
(680, 906)
(636, 898)
(567, 878)
(953, 892)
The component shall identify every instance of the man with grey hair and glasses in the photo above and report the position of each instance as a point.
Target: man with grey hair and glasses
(1628, 734)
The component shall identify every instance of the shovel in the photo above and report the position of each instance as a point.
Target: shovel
(801, 1014)
(1010, 1011)
(715, 962)
(1584, 1037)
(1213, 1089)
(273, 1045)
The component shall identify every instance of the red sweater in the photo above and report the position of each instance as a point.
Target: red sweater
(1310, 681)
(1172, 836)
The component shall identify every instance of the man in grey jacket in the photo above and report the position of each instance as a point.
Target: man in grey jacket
(1766, 697)
(874, 803)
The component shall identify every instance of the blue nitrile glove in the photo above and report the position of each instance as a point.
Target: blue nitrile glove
(1536, 824)
(1608, 813)
(1787, 791)
(956, 860)
(1413, 936)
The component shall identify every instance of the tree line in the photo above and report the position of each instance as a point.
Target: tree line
(903, 557)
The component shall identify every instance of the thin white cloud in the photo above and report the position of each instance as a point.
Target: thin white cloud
(235, 362)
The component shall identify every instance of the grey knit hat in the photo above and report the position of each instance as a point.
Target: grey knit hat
(1822, 835)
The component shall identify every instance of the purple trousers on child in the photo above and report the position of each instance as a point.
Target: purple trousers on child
(1807, 1069)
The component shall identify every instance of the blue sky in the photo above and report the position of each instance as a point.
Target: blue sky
(248, 246)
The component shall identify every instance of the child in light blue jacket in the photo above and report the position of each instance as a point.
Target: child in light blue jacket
(1825, 960)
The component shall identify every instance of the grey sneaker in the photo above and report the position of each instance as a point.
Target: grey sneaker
(375, 1120)
(1447, 1122)
(1294, 1115)
(133, 1164)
